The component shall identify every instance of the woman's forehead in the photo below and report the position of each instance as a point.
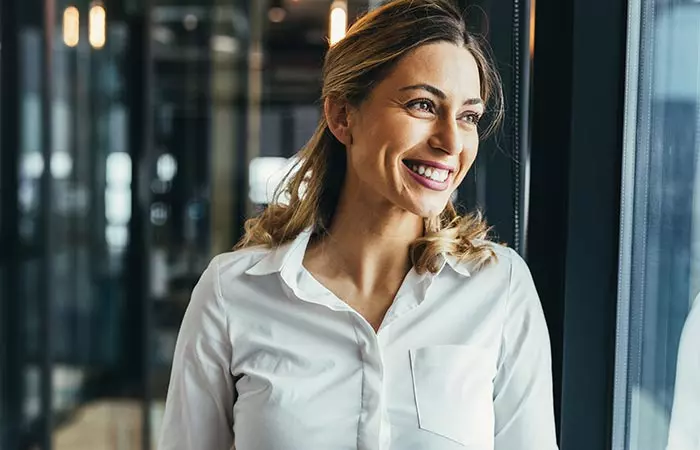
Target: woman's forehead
(450, 68)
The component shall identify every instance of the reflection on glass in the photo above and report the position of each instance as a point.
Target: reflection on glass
(684, 431)
(661, 232)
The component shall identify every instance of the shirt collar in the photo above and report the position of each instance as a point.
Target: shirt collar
(458, 266)
(287, 257)
(455, 264)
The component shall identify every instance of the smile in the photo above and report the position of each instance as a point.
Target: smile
(431, 175)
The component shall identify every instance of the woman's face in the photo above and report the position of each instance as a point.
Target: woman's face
(412, 141)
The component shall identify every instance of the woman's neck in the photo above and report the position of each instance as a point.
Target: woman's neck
(368, 245)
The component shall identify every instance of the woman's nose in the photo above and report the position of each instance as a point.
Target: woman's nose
(446, 137)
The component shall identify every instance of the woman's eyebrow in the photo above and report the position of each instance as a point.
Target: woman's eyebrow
(437, 92)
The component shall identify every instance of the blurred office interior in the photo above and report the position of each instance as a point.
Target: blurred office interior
(136, 136)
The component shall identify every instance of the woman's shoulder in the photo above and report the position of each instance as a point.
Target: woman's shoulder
(505, 259)
(235, 263)
(692, 324)
(500, 249)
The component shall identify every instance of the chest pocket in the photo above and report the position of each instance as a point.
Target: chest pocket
(453, 388)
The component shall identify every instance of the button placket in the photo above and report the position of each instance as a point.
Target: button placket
(372, 414)
(385, 426)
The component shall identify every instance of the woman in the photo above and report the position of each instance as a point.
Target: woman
(684, 430)
(364, 313)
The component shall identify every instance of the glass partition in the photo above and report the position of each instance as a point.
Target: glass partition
(660, 247)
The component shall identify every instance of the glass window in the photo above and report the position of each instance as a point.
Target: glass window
(660, 236)
(89, 212)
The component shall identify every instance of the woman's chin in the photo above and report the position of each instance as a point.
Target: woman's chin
(429, 209)
(424, 205)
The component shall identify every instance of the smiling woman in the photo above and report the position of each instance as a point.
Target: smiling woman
(364, 312)
(433, 74)
(421, 114)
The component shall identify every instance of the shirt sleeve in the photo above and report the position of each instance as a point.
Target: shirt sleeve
(523, 395)
(199, 405)
(685, 418)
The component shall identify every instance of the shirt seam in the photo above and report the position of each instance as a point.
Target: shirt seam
(216, 400)
(506, 307)
(220, 302)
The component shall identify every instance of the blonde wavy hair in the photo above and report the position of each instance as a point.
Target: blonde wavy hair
(352, 67)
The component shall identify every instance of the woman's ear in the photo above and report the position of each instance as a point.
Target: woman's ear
(338, 118)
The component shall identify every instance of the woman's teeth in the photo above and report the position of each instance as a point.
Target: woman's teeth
(432, 173)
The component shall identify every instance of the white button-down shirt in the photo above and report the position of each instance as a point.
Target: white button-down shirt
(684, 432)
(269, 359)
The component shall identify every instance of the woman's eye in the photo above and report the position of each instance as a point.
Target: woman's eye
(422, 105)
(471, 118)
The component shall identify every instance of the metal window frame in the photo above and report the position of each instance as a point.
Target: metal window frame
(9, 233)
(15, 16)
(620, 437)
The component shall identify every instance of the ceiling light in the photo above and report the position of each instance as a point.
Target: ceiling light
(71, 26)
(98, 25)
(338, 21)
